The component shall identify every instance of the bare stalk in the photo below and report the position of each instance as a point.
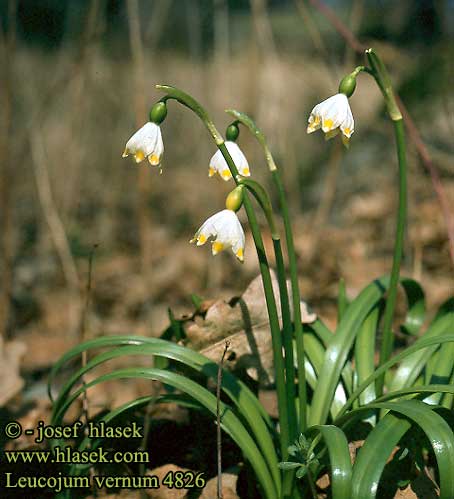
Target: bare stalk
(7, 45)
(143, 177)
(56, 228)
(218, 421)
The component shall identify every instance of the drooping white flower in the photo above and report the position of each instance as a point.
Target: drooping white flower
(332, 115)
(226, 232)
(146, 143)
(219, 165)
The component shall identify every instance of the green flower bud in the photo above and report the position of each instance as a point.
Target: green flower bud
(158, 113)
(235, 199)
(232, 132)
(348, 84)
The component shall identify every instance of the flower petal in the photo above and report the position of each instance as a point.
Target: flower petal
(331, 115)
(146, 143)
(225, 230)
(218, 163)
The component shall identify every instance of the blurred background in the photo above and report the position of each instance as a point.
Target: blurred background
(77, 79)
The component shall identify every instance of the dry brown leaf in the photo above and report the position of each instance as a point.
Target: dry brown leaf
(164, 492)
(10, 379)
(245, 324)
(229, 481)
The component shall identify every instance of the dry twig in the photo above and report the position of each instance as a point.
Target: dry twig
(57, 230)
(143, 177)
(7, 45)
(218, 421)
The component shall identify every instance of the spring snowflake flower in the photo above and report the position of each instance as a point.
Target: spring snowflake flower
(332, 115)
(219, 165)
(226, 231)
(146, 143)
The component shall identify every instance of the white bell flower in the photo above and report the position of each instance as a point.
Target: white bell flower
(332, 115)
(226, 231)
(219, 165)
(146, 143)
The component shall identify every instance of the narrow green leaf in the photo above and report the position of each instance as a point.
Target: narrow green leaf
(248, 405)
(417, 390)
(325, 335)
(315, 354)
(413, 365)
(342, 300)
(288, 465)
(229, 421)
(364, 354)
(302, 470)
(416, 302)
(372, 457)
(339, 456)
(445, 308)
(339, 347)
(422, 344)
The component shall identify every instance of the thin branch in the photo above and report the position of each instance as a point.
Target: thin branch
(83, 337)
(7, 46)
(339, 26)
(57, 230)
(77, 90)
(143, 174)
(412, 130)
(312, 29)
(263, 28)
(218, 421)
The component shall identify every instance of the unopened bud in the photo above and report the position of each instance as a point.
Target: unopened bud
(235, 199)
(232, 132)
(158, 112)
(347, 85)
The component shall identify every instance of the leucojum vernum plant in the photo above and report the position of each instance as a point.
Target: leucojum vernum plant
(327, 382)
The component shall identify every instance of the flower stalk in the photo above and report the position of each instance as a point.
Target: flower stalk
(381, 76)
(191, 103)
(298, 328)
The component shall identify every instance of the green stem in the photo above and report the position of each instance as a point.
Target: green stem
(388, 338)
(263, 199)
(302, 394)
(312, 484)
(188, 101)
(275, 172)
(193, 105)
(381, 76)
(271, 307)
(287, 335)
(342, 301)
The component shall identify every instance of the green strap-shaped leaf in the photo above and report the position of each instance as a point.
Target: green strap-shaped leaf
(372, 457)
(230, 423)
(339, 456)
(364, 354)
(412, 366)
(445, 308)
(90, 443)
(440, 365)
(424, 343)
(242, 397)
(325, 335)
(416, 302)
(342, 300)
(379, 444)
(339, 347)
(417, 391)
(442, 369)
(315, 353)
